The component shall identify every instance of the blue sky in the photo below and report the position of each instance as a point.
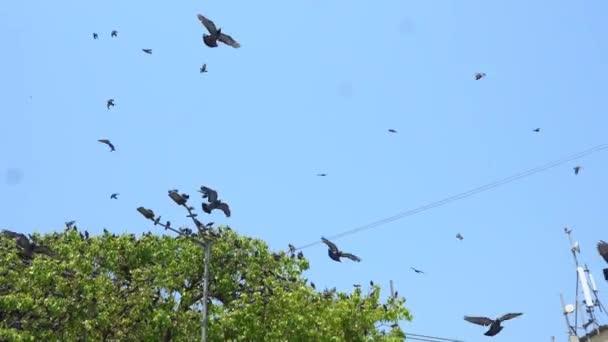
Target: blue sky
(313, 89)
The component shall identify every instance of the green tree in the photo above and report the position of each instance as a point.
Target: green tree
(111, 287)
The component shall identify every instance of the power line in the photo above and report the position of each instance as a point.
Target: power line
(466, 194)
(418, 337)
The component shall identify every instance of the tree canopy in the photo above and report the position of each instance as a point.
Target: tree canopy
(76, 287)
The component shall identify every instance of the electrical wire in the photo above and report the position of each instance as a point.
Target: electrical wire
(411, 336)
(465, 194)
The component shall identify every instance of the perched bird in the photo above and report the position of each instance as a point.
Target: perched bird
(495, 326)
(416, 270)
(577, 169)
(95, 36)
(459, 236)
(148, 51)
(107, 142)
(114, 196)
(204, 68)
(215, 34)
(479, 75)
(321, 174)
(537, 130)
(335, 254)
(110, 103)
(392, 130)
(208, 207)
(114, 34)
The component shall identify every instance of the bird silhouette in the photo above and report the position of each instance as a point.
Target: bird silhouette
(335, 254)
(148, 51)
(459, 236)
(417, 270)
(495, 326)
(577, 169)
(392, 131)
(321, 174)
(219, 205)
(95, 36)
(110, 103)
(537, 130)
(114, 34)
(204, 68)
(114, 196)
(209, 194)
(27, 247)
(215, 34)
(602, 248)
(479, 75)
(107, 142)
(69, 224)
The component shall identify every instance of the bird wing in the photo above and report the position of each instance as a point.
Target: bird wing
(209, 25)
(330, 244)
(104, 141)
(209, 193)
(225, 208)
(602, 247)
(351, 257)
(485, 321)
(509, 316)
(226, 39)
(13, 235)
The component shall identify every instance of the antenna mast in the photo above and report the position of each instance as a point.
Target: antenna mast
(586, 283)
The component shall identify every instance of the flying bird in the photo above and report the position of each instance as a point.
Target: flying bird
(114, 196)
(495, 326)
(577, 169)
(148, 51)
(335, 254)
(219, 205)
(602, 248)
(417, 270)
(209, 194)
(27, 247)
(110, 103)
(321, 174)
(204, 68)
(215, 34)
(479, 75)
(95, 36)
(392, 131)
(107, 142)
(537, 130)
(69, 224)
(459, 236)
(114, 33)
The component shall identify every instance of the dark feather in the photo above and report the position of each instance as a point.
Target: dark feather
(509, 316)
(226, 39)
(330, 244)
(479, 320)
(351, 257)
(602, 248)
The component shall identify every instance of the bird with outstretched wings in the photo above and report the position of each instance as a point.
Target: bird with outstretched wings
(208, 193)
(479, 75)
(495, 325)
(335, 254)
(148, 51)
(219, 205)
(215, 34)
(107, 142)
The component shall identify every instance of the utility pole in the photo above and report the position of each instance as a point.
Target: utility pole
(206, 289)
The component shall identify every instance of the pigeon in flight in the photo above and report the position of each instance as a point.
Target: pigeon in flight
(479, 75)
(417, 270)
(459, 236)
(215, 34)
(602, 247)
(95, 36)
(577, 169)
(537, 130)
(392, 131)
(204, 68)
(114, 34)
(114, 196)
(148, 51)
(110, 103)
(107, 142)
(495, 326)
(321, 174)
(214, 202)
(335, 254)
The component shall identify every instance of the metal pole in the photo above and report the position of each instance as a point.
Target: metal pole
(205, 289)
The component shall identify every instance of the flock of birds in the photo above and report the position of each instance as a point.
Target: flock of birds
(211, 40)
